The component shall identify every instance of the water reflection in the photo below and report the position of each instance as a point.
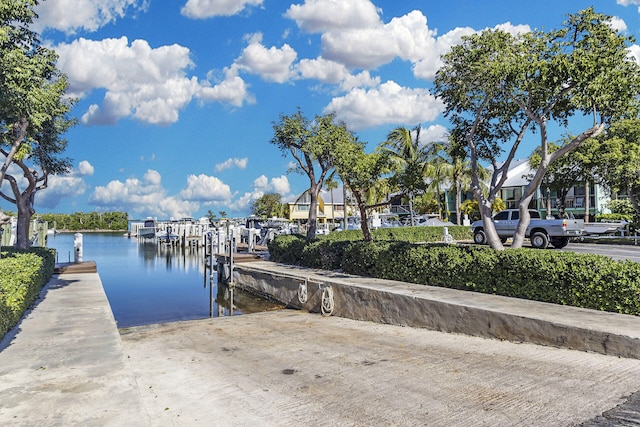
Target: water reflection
(147, 282)
(172, 256)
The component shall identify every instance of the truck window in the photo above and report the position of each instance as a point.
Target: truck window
(515, 215)
(501, 216)
(534, 214)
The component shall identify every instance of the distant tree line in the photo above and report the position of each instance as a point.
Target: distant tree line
(114, 221)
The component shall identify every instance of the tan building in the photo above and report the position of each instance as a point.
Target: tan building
(330, 211)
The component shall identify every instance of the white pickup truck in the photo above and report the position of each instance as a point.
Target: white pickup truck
(541, 232)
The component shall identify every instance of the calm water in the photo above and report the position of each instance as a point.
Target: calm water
(149, 283)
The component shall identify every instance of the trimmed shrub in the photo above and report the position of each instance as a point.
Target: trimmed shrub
(581, 280)
(22, 276)
(287, 248)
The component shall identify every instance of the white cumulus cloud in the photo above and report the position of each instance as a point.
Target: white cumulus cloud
(272, 64)
(330, 15)
(84, 168)
(389, 103)
(144, 197)
(200, 9)
(232, 162)
(231, 89)
(433, 133)
(145, 83)
(261, 186)
(204, 188)
(407, 37)
(278, 185)
(634, 52)
(618, 24)
(70, 16)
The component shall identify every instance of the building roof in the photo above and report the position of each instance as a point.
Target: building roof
(325, 195)
(519, 174)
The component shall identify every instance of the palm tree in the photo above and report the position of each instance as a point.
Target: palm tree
(409, 161)
(460, 173)
(330, 184)
(439, 169)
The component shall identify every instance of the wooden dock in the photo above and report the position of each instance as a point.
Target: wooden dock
(239, 257)
(72, 267)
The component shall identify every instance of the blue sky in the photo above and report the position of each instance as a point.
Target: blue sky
(177, 99)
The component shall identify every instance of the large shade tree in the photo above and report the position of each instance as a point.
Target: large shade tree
(497, 87)
(33, 113)
(311, 143)
(360, 172)
(267, 206)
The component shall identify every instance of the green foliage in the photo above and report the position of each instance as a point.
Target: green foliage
(497, 87)
(22, 276)
(327, 251)
(287, 248)
(114, 221)
(313, 145)
(267, 206)
(34, 112)
(581, 280)
(360, 172)
(621, 206)
(614, 217)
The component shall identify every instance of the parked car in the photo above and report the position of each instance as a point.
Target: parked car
(540, 231)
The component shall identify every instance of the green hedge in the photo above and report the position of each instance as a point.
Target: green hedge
(323, 253)
(581, 280)
(22, 276)
(405, 234)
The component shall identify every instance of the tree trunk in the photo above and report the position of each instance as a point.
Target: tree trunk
(344, 205)
(458, 202)
(523, 223)
(313, 212)
(333, 212)
(489, 228)
(411, 208)
(364, 224)
(25, 211)
(586, 201)
(634, 201)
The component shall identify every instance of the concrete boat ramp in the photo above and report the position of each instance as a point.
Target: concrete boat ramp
(66, 363)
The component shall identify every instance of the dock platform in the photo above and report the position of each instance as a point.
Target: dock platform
(73, 267)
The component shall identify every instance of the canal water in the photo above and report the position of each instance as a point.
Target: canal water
(150, 283)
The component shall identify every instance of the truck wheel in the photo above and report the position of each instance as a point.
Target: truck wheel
(539, 240)
(479, 237)
(559, 242)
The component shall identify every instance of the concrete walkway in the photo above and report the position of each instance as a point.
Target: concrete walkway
(67, 364)
(64, 363)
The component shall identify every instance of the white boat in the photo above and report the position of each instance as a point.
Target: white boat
(167, 235)
(604, 227)
(148, 229)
